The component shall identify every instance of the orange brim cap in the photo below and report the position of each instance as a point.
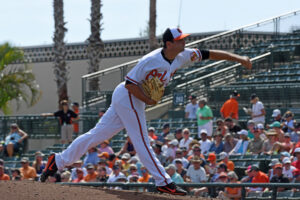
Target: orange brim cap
(184, 35)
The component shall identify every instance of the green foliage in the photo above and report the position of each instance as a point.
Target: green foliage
(17, 82)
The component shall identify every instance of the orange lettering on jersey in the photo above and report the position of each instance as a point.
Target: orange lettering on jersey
(154, 73)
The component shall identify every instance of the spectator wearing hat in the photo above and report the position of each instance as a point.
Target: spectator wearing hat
(256, 144)
(258, 111)
(27, 172)
(212, 164)
(272, 165)
(116, 173)
(229, 143)
(179, 155)
(171, 170)
(103, 163)
(180, 169)
(221, 127)
(132, 169)
(79, 175)
(91, 157)
(159, 154)
(196, 152)
(178, 135)
(231, 192)
(75, 108)
(272, 138)
(128, 147)
(261, 129)
(151, 133)
(76, 165)
(196, 173)
(258, 177)
(288, 124)
(297, 155)
(242, 144)
(65, 116)
(288, 168)
(102, 175)
(165, 133)
(14, 140)
(38, 163)
(186, 140)
(3, 176)
(231, 107)
(91, 173)
(233, 128)
(295, 133)
(125, 163)
(251, 126)
(279, 177)
(224, 158)
(217, 145)
(104, 147)
(276, 126)
(221, 168)
(191, 108)
(205, 143)
(204, 118)
(170, 152)
(145, 176)
(276, 116)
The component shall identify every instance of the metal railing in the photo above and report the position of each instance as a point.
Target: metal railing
(124, 68)
(151, 187)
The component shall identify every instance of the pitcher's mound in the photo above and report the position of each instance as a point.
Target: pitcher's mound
(23, 190)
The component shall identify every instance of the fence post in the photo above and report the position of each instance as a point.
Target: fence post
(243, 193)
(274, 193)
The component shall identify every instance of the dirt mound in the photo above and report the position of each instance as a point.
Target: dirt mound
(23, 190)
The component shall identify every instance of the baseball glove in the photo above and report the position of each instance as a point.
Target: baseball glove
(153, 88)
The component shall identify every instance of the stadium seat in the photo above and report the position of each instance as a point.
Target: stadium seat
(285, 194)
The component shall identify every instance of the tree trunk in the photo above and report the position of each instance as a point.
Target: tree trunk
(152, 26)
(95, 44)
(60, 66)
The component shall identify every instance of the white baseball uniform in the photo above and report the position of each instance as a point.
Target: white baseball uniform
(126, 111)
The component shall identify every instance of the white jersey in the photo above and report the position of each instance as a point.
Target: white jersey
(192, 110)
(154, 64)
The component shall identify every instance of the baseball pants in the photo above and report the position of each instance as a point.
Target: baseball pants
(127, 112)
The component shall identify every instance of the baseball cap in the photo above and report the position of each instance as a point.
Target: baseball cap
(223, 155)
(75, 104)
(24, 160)
(203, 131)
(90, 166)
(235, 93)
(179, 130)
(212, 157)
(285, 154)
(287, 135)
(286, 160)
(172, 34)
(275, 124)
(243, 132)
(166, 126)
(174, 142)
(297, 150)
(171, 166)
(250, 122)
(151, 129)
(116, 167)
(260, 126)
(253, 96)
(274, 162)
(253, 167)
(125, 156)
(276, 112)
(279, 165)
(192, 97)
(178, 160)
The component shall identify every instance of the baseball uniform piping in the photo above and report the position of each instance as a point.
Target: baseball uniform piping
(132, 80)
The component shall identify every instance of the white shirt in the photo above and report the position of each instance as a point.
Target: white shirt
(185, 143)
(112, 177)
(191, 109)
(288, 173)
(256, 110)
(205, 146)
(196, 176)
(74, 173)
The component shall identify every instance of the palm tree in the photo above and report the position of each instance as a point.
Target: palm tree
(60, 66)
(16, 82)
(152, 26)
(95, 44)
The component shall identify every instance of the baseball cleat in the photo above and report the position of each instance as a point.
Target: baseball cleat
(50, 168)
(171, 188)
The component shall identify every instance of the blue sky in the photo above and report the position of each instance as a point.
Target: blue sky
(30, 22)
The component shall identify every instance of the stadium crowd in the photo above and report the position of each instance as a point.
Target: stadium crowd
(187, 159)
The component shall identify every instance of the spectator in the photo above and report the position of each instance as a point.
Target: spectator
(132, 169)
(185, 151)
(279, 177)
(261, 130)
(288, 168)
(3, 176)
(221, 127)
(229, 143)
(13, 141)
(55, 178)
(296, 174)
(270, 142)
(233, 128)
(191, 108)
(125, 164)
(288, 124)
(91, 157)
(171, 150)
(185, 142)
(102, 175)
(38, 163)
(27, 172)
(128, 147)
(277, 128)
(113, 177)
(16, 175)
(251, 126)
(179, 155)
(158, 152)
(180, 169)
(165, 133)
(79, 175)
(178, 135)
(65, 115)
(204, 118)
(145, 175)
(196, 173)
(286, 145)
(205, 143)
(76, 165)
(258, 111)
(212, 164)
(217, 145)
(92, 174)
(224, 158)
(75, 108)
(272, 165)
(104, 147)
(297, 155)
(171, 170)
(221, 168)
(242, 145)
(295, 133)
(151, 133)
(103, 163)
(277, 115)
(231, 192)
(258, 177)
(256, 144)
(65, 176)
(231, 107)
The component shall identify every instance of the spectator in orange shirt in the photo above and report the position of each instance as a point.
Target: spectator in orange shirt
(27, 171)
(92, 174)
(224, 157)
(151, 133)
(75, 108)
(80, 176)
(3, 176)
(231, 107)
(233, 193)
(258, 177)
(145, 175)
